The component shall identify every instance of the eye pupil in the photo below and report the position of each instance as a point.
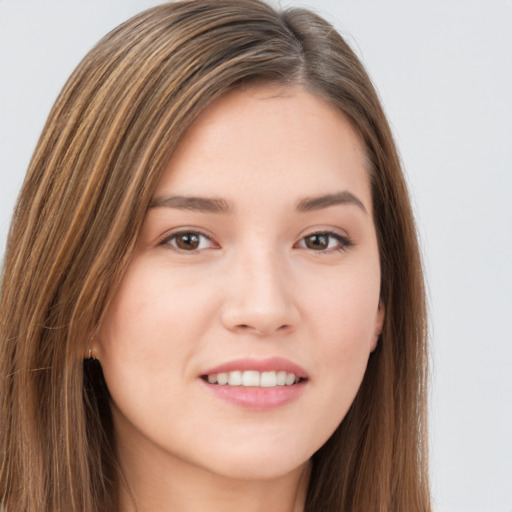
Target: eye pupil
(317, 241)
(187, 241)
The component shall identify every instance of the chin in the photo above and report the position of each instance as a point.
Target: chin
(259, 462)
(259, 470)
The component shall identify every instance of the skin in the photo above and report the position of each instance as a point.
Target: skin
(256, 286)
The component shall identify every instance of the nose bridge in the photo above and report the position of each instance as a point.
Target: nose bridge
(260, 298)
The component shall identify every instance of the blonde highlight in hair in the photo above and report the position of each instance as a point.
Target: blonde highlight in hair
(107, 140)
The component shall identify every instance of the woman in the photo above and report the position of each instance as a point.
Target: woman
(215, 216)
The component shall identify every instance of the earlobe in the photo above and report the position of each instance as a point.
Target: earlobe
(378, 326)
(375, 342)
(91, 354)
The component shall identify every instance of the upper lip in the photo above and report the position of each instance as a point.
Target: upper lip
(260, 365)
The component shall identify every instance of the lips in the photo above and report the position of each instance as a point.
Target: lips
(257, 384)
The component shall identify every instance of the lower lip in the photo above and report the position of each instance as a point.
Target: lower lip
(257, 398)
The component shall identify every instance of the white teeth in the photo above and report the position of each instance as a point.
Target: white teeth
(235, 378)
(290, 379)
(253, 378)
(222, 378)
(269, 379)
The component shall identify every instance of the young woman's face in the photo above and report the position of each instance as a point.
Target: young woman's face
(257, 264)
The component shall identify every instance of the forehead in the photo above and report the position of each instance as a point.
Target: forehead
(264, 139)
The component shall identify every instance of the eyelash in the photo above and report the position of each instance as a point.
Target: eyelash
(174, 236)
(344, 242)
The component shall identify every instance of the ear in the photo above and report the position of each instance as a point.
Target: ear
(91, 352)
(379, 322)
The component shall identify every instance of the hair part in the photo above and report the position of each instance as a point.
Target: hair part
(107, 140)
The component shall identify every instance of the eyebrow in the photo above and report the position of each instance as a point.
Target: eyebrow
(319, 202)
(219, 205)
(194, 204)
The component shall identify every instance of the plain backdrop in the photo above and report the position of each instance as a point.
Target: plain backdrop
(443, 69)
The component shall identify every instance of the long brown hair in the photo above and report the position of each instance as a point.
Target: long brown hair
(109, 136)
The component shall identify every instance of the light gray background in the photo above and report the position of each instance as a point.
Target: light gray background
(443, 69)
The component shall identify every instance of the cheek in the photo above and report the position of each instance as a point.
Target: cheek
(343, 316)
(146, 342)
(152, 328)
(348, 330)
(345, 308)
(155, 305)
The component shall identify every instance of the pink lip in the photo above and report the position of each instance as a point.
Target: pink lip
(257, 398)
(260, 365)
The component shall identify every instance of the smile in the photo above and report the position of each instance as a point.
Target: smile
(256, 384)
(253, 378)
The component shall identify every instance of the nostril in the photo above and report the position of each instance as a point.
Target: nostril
(264, 330)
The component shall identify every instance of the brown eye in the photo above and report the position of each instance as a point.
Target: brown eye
(318, 241)
(325, 242)
(189, 241)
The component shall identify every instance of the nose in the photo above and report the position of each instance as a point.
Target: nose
(259, 297)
